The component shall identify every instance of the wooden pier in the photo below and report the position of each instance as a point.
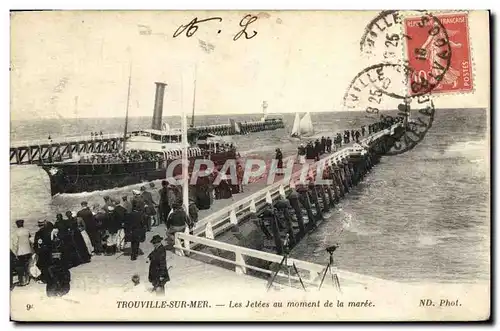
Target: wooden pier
(302, 208)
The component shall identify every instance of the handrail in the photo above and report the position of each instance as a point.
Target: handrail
(61, 140)
(314, 270)
(259, 196)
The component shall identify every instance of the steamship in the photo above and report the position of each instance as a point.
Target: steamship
(154, 149)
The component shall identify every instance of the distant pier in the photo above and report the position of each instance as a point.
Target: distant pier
(59, 149)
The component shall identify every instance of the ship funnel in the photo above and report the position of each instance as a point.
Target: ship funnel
(158, 110)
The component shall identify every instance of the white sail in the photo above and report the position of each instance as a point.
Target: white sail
(296, 125)
(306, 126)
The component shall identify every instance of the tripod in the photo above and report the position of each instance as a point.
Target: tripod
(335, 278)
(284, 261)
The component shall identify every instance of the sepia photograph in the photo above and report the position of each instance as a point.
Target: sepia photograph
(250, 165)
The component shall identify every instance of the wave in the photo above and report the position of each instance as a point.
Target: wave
(114, 190)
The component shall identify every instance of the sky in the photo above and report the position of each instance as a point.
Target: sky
(77, 64)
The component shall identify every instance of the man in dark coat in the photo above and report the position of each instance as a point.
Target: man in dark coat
(135, 231)
(317, 149)
(61, 224)
(177, 222)
(322, 147)
(58, 275)
(158, 271)
(279, 157)
(91, 227)
(164, 207)
(309, 151)
(43, 248)
(193, 211)
(149, 207)
(138, 201)
(328, 145)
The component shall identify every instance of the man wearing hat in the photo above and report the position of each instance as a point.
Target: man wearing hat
(137, 201)
(164, 206)
(158, 271)
(177, 221)
(149, 207)
(43, 248)
(22, 249)
(135, 230)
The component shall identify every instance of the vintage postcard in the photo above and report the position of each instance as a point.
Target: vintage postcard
(250, 166)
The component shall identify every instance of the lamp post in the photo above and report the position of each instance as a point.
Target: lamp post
(166, 163)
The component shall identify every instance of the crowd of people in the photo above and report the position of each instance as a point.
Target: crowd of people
(313, 150)
(70, 241)
(73, 239)
(140, 155)
(122, 157)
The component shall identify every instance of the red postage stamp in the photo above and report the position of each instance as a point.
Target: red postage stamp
(433, 54)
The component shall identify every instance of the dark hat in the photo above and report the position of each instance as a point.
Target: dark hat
(124, 198)
(42, 222)
(164, 183)
(156, 239)
(19, 222)
(152, 185)
(143, 188)
(84, 203)
(106, 197)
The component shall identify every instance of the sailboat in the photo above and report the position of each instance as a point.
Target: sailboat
(302, 127)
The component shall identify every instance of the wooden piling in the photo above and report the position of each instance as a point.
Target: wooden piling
(331, 199)
(325, 202)
(315, 200)
(306, 203)
(293, 198)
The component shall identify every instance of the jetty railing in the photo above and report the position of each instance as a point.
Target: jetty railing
(64, 140)
(229, 216)
(310, 272)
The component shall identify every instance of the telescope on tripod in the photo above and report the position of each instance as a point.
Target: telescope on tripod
(328, 269)
(284, 262)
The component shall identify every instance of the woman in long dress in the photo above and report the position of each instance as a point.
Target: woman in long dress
(85, 236)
